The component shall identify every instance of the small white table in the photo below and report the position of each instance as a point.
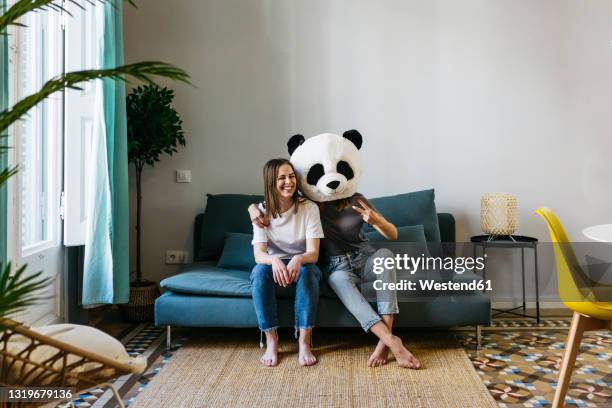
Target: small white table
(600, 233)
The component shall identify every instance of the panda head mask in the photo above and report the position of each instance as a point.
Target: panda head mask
(328, 166)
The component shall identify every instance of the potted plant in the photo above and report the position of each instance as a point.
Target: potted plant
(153, 129)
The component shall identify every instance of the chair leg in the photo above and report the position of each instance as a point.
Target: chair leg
(115, 393)
(168, 338)
(117, 396)
(478, 337)
(580, 324)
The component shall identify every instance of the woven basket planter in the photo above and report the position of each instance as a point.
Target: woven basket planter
(498, 214)
(142, 301)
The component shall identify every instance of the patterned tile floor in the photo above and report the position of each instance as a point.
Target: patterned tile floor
(520, 368)
(518, 363)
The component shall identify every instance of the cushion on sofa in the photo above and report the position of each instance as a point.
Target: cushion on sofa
(237, 252)
(215, 281)
(219, 282)
(224, 213)
(410, 209)
(205, 278)
(410, 233)
(410, 241)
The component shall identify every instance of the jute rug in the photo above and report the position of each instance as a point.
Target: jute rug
(221, 369)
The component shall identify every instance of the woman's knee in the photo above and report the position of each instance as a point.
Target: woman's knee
(310, 271)
(261, 273)
(338, 278)
(383, 253)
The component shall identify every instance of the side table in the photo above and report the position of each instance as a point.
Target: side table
(513, 241)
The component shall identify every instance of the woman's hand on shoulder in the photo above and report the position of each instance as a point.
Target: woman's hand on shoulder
(256, 216)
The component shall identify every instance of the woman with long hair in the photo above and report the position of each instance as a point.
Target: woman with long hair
(286, 252)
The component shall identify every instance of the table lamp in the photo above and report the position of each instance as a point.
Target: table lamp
(498, 214)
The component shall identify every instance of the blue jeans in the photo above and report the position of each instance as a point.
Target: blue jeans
(346, 272)
(306, 296)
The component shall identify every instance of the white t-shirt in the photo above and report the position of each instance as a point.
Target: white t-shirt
(286, 235)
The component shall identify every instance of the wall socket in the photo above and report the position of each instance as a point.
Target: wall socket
(176, 257)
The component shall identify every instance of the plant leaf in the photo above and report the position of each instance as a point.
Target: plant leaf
(22, 7)
(18, 291)
(142, 71)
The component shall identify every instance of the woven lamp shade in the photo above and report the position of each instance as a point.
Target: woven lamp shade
(498, 214)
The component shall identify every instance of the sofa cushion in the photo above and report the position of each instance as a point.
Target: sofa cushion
(224, 213)
(237, 252)
(410, 233)
(204, 278)
(213, 281)
(207, 279)
(410, 241)
(410, 209)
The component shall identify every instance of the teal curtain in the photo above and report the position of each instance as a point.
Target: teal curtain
(106, 269)
(3, 140)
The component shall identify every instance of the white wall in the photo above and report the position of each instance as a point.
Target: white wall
(467, 97)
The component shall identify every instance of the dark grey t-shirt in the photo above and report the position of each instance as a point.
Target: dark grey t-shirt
(343, 229)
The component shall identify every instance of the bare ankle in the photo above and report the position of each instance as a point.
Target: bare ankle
(271, 337)
(305, 337)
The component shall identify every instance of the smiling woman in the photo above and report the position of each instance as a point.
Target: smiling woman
(280, 185)
(286, 251)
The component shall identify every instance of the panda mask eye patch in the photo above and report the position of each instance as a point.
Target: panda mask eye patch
(345, 169)
(314, 174)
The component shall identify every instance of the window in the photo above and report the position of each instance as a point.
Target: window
(37, 138)
(34, 227)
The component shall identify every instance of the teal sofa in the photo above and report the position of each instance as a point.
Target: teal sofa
(205, 294)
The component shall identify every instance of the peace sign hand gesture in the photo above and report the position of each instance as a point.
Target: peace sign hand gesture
(368, 214)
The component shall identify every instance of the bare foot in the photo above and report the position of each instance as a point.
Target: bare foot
(379, 356)
(305, 356)
(270, 357)
(403, 357)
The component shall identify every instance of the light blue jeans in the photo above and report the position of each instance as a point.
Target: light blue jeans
(346, 274)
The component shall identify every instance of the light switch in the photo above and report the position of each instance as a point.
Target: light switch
(183, 176)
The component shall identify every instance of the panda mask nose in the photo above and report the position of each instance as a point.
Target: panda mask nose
(333, 184)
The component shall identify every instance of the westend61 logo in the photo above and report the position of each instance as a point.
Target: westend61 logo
(428, 263)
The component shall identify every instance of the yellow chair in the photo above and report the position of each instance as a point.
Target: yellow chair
(579, 294)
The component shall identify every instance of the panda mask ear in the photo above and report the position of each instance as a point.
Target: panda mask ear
(354, 136)
(294, 143)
